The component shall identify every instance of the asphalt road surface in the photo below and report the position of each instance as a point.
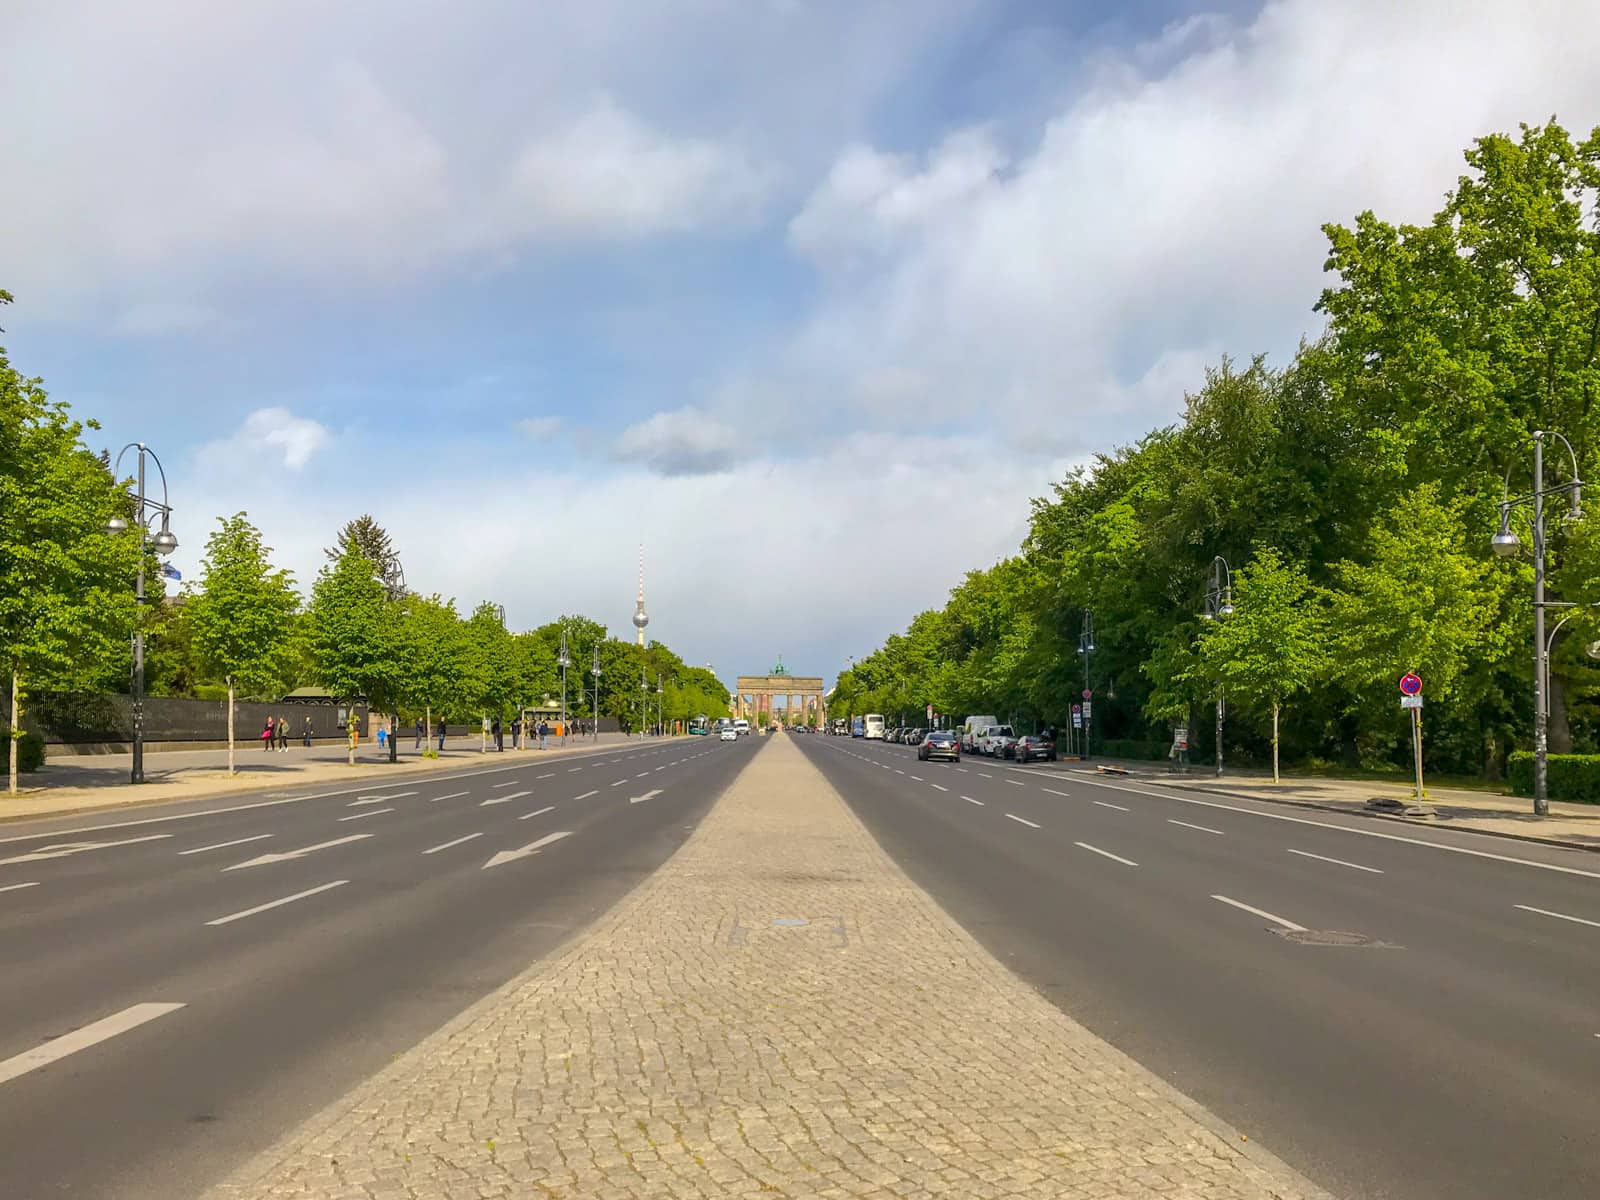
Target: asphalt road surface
(1454, 1053)
(182, 984)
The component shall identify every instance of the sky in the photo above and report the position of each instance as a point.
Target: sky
(809, 298)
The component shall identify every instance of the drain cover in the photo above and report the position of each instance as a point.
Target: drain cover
(1327, 937)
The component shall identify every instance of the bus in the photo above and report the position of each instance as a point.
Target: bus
(858, 727)
(874, 727)
(700, 726)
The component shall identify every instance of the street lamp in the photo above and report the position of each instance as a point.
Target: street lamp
(595, 671)
(145, 509)
(644, 694)
(1505, 543)
(1086, 648)
(660, 693)
(564, 660)
(1219, 603)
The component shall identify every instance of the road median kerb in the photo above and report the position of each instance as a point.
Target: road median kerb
(778, 1010)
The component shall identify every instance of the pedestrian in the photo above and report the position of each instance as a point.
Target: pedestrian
(383, 738)
(422, 732)
(305, 732)
(266, 737)
(283, 735)
(516, 733)
(499, 736)
(441, 735)
(544, 731)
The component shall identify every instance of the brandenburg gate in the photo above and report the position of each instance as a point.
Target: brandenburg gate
(802, 697)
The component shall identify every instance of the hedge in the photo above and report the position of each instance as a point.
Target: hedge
(1572, 777)
(30, 754)
(1132, 748)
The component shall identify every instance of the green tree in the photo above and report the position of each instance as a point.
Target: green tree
(66, 586)
(375, 545)
(351, 634)
(240, 617)
(433, 662)
(1273, 645)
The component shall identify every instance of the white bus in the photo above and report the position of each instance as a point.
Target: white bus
(874, 728)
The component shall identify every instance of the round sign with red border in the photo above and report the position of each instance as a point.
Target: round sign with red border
(1411, 684)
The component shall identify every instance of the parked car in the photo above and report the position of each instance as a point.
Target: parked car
(1034, 746)
(972, 729)
(997, 741)
(913, 736)
(939, 743)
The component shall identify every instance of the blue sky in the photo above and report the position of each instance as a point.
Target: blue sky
(767, 285)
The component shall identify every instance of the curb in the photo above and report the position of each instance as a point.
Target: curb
(1560, 843)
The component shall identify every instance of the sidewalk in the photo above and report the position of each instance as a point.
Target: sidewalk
(777, 1012)
(1575, 825)
(82, 783)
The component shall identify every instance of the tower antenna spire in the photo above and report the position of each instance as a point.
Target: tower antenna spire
(640, 617)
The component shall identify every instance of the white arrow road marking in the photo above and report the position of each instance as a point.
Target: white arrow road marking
(82, 1039)
(537, 813)
(531, 848)
(506, 799)
(261, 908)
(376, 799)
(224, 845)
(457, 842)
(651, 795)
(63, 849)
(287, 855)
(13, 887)
(586, 795)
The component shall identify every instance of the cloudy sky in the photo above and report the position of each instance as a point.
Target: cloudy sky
(808, 296)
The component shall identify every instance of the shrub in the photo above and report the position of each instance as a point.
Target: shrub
(30, 754)
(1571, 777)
(1132, 748)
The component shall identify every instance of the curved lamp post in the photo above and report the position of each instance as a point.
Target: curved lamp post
(1218, 604)
(564, 660)
(164, 542)
(660, 700)
(1506, 544)
(595, 671)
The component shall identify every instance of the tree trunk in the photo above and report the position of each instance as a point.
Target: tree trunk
(16, 728)
(1274, 741)
(1560, 725)
(231, 770)
(427, 726)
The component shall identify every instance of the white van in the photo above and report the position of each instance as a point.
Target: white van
(972, 729)
(741, 727)
(874, 730)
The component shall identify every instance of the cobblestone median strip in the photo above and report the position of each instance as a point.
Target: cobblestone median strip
(778, 1011)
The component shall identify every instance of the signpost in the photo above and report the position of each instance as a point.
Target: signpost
(1411, 697)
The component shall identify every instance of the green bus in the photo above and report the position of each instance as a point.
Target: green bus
(700, 726)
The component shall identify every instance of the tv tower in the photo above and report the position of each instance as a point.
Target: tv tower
(640, 617)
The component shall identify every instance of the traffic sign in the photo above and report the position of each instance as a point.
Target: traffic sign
(1087, 694)
(1077, 710)
(1410, 701)
(1411, 684)
(1085, 710)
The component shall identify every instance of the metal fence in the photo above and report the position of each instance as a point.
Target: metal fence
(62, 719)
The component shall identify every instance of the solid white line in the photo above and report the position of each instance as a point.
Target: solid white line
(1201, 828)
(457, 842)
(446, 796)
(586, 795)
(220, 845)
(941, 787)
(1127, 862)
(1261, 912)
(81, 1039)
(1545, 912)
(1023, 821)
(371, 812)
(1371, 833)
(539, 813)
(261, 908)
(1338, 861)
(1108, 804)
(12, 887)
(970, 800)
(1053, 792)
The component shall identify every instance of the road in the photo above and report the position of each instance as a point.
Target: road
(1454, 1054)
(202, 977)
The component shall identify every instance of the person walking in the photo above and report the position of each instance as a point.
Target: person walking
(441, 735)
(516, 733)
(422, 732)
(266, 737)
(544, 731)
(283, 735)
(305, 732)
(499, 736)
(383, 737)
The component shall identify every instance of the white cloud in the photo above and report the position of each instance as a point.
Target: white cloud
(686, 441)
(540, 429)
(606, 174)
(292, 440)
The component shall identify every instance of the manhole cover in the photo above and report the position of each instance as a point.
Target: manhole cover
(790, 922)
(1326, 937)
